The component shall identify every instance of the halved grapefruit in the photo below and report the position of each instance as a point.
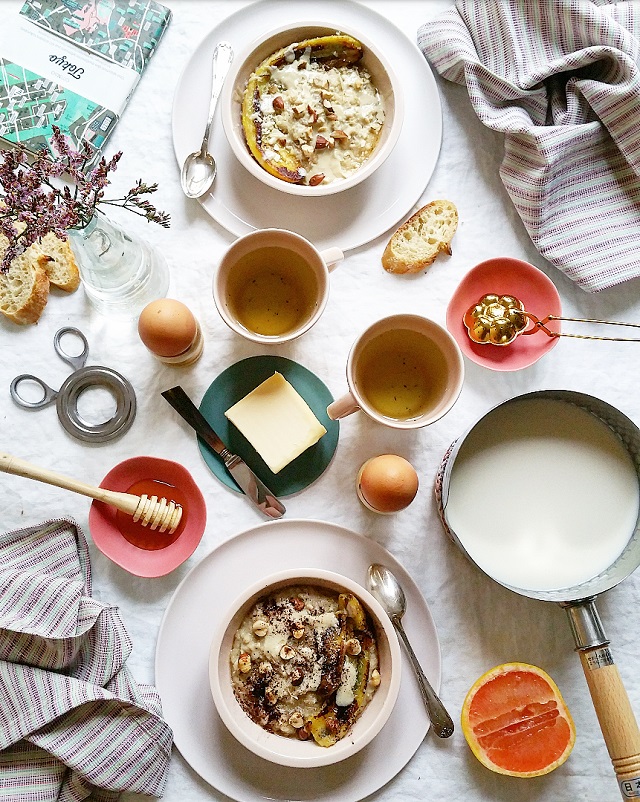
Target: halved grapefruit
(516, 722)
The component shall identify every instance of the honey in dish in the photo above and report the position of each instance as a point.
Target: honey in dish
(402, 374)
(143, 536)
(272, 291)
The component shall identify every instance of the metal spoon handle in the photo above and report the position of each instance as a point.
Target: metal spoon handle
(222, 57)
(440, 719)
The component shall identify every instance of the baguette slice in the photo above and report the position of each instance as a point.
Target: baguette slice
(415, 245)
(24, 290)
(56, 258)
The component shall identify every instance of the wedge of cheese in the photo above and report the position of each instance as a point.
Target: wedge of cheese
(277, 422)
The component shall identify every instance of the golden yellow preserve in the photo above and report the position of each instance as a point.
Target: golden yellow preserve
(402, 374)
(272, 291)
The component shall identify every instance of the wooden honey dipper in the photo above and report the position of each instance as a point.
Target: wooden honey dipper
(151, 511)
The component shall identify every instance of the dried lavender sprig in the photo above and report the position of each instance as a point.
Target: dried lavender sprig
(33, 205)
(134, 203)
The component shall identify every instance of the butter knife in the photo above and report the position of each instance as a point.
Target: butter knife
(242, 474)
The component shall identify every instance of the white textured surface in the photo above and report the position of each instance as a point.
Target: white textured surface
(480, 624)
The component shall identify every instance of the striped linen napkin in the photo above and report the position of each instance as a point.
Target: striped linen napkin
(74, 724)
(561, 80)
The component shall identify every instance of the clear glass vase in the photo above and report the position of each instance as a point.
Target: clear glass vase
(120, 272)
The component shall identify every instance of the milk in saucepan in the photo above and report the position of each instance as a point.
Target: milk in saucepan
(543, 495)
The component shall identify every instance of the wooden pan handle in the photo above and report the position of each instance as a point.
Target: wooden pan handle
(616, 717)
(615, 714)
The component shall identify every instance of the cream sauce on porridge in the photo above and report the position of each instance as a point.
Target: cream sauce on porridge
(330, 118)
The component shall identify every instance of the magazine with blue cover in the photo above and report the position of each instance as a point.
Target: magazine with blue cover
(74, 65)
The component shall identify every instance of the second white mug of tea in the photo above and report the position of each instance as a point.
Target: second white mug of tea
(272, 285)
(404, 371)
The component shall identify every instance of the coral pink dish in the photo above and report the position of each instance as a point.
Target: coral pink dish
(505, 276)
(137, 549)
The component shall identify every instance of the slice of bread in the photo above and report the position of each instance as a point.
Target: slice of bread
(24, 290)
(415, 245)
(57, 259)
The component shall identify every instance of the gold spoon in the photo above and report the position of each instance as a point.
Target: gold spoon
(499, 319)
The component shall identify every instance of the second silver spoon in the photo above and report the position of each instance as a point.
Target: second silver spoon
(387, 590)
(199, 168)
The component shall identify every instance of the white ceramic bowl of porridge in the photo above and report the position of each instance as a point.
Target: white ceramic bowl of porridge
(343, 130)
(301, 675)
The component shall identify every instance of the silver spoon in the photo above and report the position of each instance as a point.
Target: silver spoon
(199, 168)
(387, 590)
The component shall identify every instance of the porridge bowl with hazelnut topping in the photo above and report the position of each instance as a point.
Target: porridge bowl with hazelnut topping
(305, 668)
(311, 109)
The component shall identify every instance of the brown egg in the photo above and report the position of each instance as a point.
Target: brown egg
(387, 483)
(167, 327)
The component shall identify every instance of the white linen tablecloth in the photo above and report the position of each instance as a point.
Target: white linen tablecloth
(480, 624)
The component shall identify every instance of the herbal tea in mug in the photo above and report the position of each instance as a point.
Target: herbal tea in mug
(404, 371)
(401, 373)
(272, 285)
(272, 291)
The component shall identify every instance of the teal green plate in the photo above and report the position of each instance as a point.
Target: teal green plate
(232, 385)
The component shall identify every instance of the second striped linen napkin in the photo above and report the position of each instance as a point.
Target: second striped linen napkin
(74, 723)
(561, 80)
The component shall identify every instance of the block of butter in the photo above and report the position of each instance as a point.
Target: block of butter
(277, 421)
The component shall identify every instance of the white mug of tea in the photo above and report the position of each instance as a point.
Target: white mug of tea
(404, 371)
(272, 285)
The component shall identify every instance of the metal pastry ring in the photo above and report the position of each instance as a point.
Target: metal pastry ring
(76, 384)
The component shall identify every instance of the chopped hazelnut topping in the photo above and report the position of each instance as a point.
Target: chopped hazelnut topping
(260, 628)
(316, 179)
(375, 678)
(265, 669)
(353, 647)
(296, 720)
(321, 142)
(278, 103)
(286, 653)
(271, 695)
(244, 663)
(296, 677)
(297, 631)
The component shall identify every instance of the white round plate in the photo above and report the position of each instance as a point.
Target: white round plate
(241, 203)
(182, 659)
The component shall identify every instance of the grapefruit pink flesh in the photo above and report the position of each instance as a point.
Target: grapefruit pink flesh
(516, 722)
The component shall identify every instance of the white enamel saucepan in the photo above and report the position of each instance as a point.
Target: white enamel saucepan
(543, 495)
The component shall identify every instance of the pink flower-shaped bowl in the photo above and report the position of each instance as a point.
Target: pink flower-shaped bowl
(137, 549)
(505, 276)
